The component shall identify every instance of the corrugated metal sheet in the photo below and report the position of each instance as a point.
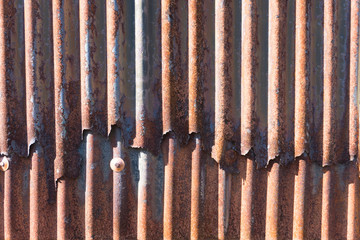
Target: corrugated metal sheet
(231, 119)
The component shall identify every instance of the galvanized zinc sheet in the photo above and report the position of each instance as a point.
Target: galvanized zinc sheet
(179, 119)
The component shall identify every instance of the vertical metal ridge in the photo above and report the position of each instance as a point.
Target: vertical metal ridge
(86, 52)
(196, 56)
(12, 88)
(195, 188)
(275, 78)
(61, 113)
(167, 57)
(222, 100)
(147, 76)
(3, 80)
(31, 64)
(114, 18)
(93, 77)
(90, 202)
(300, 200)
(247, 200)
(15, 223)
(224, 193)
(275, 121)
(352, 203)
(249, 65)
(36, 87)
(118, 186)
(141, 70)
(301, 122)
(272, 202)
(330, 77)
(222, 77)
(326, 204)
(301, 77)
(169, 187)
(353, 76)
(167, 77)
(144, 196)
(66, 81)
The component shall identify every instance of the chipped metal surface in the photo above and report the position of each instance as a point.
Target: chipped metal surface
(210, 119)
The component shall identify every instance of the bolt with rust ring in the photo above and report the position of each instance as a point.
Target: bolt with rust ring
(4, 164)
(117, 164)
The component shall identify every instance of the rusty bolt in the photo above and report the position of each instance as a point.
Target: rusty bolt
(117, 164)
(4, 164)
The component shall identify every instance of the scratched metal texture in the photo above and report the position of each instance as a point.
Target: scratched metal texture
(235, 119)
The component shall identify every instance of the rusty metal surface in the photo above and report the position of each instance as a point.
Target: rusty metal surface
(208, 119)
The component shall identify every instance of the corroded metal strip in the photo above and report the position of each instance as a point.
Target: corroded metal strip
(117, 187)
(247, 201)
(38, 103)
(12, 80)
(222, 77)
(224, 193)
(3, 75)
(167, 73)
(352, 203)
(61, 115)
(272, 202)
(169, 188)
(142, 76)
(195, 189)
(90, 201)
(167, 77)
(144, 196)
(196, 55)
(114, 19)
(61, 107)
(86, 52)
(300, 200)
(330, 77)
(249, 67)
(66, 81)
(147, 76)
(354, 73)
(32, 104)
(275, 79)
(93, 77)
(301, 77)
(15, 198)
(326, 204)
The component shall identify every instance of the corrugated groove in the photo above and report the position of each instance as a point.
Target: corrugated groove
(234, 119)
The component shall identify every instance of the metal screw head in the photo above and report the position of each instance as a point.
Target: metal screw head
(4, 164)
(117, 164)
